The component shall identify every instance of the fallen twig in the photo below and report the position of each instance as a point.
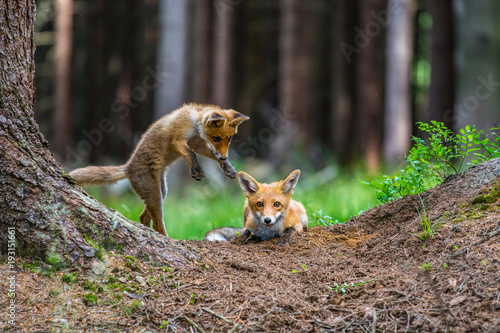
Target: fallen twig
(235, 327)
(218, 315)
(482, 240)
(194, 324)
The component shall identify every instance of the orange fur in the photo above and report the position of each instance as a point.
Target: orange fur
(193, 128)
(269, 211)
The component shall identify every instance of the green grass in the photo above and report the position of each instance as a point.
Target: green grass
(203, 206)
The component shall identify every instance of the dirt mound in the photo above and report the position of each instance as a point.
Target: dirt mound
(369, 274)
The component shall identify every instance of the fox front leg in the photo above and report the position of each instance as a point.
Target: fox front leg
(287, 235)
(244, 236)
(229, 170)
(196, 171)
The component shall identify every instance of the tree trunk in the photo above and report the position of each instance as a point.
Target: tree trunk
(442, 87)
(50, 216)
(172, 60)
(97, 85)
(397, 117)
(370, 82)
(64, 32)
(201, 51)
(222, 78)
(294, 80)
(478, 64)
(126, 77)
(343, 82)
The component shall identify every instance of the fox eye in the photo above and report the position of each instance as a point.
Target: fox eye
(277, 204)
(260, 204)
(216, 139)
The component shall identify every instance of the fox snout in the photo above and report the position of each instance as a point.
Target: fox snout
(269, 219)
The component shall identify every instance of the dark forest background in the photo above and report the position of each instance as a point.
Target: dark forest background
(324, 82)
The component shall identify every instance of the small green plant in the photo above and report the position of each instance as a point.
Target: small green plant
(433, 159)
(32, 266)
(54, 293)
(425, 221)
(90, 299)
(294, 271)
(55, 263)
(445, 265)
(134, 306)
(69, 278)
(164, 324)
(304, 268)
(193, 299)
(345, 287)
(319, 218)
(426, 266)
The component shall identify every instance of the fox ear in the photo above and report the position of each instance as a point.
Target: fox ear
(249, 185)
(288, 184)
(238, 118)
(216, 120)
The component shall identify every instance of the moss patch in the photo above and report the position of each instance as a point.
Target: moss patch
(490, 197)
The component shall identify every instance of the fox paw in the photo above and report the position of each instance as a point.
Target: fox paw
(283, 241)
(197, 173)
(229, 170)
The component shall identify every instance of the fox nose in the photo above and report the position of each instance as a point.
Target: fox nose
(267, 220)
(223, 158)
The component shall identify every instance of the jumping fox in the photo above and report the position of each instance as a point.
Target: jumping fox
(269, 211)
(203, 129)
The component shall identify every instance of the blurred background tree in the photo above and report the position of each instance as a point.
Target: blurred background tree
(327, 84)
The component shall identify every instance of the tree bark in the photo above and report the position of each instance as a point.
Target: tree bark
(397, 117)
(52, 217)
(442, 87)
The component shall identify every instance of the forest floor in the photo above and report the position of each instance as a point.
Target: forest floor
(367, 275)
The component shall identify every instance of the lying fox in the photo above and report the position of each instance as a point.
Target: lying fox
(269, 211)
(203, 129)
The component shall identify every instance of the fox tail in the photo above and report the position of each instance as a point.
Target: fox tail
(97, 175)
(225, 234)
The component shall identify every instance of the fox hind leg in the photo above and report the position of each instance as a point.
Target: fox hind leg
(156, 209)
(145, 218)
(152, 191)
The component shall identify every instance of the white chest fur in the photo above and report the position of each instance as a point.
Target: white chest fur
(265, 231)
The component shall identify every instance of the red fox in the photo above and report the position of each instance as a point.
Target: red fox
(269, 211)
(204, 129)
